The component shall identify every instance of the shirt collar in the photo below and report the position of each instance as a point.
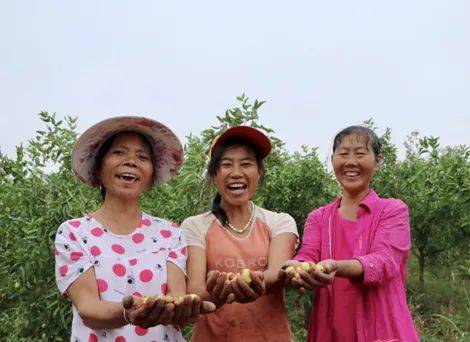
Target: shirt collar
(368, 202)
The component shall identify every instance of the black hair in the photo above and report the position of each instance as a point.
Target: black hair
(213, 167)
(104, 148)
(365, 132)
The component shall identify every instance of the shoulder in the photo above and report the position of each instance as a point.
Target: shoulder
(277, 222)
(78, 224)
(269, 216)
(204, 219)
(392, 204)
(318, 213)
(157, 221)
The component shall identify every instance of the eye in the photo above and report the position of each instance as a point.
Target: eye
(118, 152)
(143, 157)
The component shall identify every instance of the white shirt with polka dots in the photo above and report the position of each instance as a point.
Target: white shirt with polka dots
(124, 265)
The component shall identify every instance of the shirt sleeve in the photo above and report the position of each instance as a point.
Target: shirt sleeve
(389, 247)
(71, 259)
(311, 239)
(177, 252)
(283, 223)
(193, 233)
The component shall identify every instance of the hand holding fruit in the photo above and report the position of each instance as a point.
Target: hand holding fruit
(218, 285)
(307, 275)
(150, 311)
(248, 285)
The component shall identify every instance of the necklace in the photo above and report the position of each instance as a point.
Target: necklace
(241, 230)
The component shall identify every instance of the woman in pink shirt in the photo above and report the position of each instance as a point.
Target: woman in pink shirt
(362, 241)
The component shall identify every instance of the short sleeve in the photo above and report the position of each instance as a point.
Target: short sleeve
(71, 260)
(193, 233)
(282, 223)
(177, 251)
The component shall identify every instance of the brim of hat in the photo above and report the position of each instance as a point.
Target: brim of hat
(166, 146)
(255, 137)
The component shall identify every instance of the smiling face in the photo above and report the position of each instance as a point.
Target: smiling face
(354, 163)
(237, 176)
(127, 169)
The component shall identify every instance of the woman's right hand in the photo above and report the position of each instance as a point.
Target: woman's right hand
(306, 280)
(158, 311)
(219, 286)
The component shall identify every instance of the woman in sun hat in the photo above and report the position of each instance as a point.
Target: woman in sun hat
(234, 235)
(118, 250)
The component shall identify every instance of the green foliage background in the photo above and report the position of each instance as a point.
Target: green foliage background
(39, 192)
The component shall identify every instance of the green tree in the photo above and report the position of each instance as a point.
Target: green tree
(434, 182)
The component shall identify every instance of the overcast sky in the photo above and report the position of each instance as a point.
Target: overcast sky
(319, 65)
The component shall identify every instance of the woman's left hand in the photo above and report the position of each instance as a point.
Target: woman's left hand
(244, 292)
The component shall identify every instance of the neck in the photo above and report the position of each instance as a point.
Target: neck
(237, 215)
(121, 216)
(353, 199)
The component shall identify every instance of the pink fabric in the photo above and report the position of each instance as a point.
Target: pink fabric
(345, 293)
(382, 248)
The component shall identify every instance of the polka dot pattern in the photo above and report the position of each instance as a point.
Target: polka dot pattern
(123, 265)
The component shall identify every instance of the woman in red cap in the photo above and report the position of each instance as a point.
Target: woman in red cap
(118, 250)
(236, 235)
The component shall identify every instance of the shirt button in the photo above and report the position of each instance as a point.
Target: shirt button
(371, 265)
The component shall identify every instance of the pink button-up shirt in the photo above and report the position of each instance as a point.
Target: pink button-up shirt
(382, 248)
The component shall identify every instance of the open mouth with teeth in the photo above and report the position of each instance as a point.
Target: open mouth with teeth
(351, 174)
(237, 188)
(128, 177)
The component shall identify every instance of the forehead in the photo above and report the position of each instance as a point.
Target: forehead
(130, 139)
(238, 152)
(354, 140)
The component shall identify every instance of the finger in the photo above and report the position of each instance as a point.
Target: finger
(225, 290)
(128, 302)
(246, 289)
(282, 275)
(207, 307)
(139, 315)
(323, 277)
(195, 307)
(179, 308)
(259, 274)
(240, 296)
(219, 285)
(257, 283)
(230, 298)
(308, 278)
(211, 280)
(295, 283)
(154, 315)
(167, 314)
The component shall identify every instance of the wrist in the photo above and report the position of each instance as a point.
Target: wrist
(126, 319)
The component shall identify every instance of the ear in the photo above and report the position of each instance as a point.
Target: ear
(378, 163)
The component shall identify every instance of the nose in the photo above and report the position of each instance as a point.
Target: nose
(236, 171)
(130, 160)
(351, 159)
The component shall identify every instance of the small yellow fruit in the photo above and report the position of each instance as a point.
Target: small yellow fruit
(17, 285)
(169, 299)
(246, 275)
(320, 268)
(306, 266)
(290, 270)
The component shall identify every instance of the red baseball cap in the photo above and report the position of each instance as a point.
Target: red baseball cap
(255, 137)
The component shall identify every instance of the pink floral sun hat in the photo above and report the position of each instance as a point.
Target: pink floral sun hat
(165, 144)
